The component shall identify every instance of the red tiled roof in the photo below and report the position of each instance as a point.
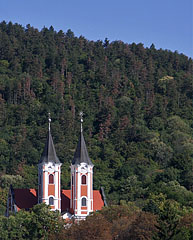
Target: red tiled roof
(65, 198)
(97, 200)
(27, 198)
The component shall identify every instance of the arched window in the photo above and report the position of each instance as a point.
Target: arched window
(83, 179)
(83, 202)
(51, 179)
(51, 201)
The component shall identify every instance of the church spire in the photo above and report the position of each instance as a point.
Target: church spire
(81, 203)
(81, 153)
(49, 153)
(49, 170)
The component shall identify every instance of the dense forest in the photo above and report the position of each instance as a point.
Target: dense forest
(138, 114)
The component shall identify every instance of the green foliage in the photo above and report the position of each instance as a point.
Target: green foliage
(171, 216)
(37, 223)
(115, 222)
(131, 188)
(3, 200)
(7, 180)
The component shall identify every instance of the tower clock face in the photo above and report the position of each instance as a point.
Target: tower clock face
(84, 169)
(51, 168)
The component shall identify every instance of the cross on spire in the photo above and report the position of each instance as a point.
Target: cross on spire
(81, 121)
(49, 153)
(49, 121)
(81, 153)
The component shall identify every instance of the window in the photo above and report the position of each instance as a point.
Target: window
(51, 201)
(83, 179)
(51, 179)
(83, 201)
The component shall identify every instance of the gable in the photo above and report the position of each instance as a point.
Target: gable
(25, 198)
(98, 202)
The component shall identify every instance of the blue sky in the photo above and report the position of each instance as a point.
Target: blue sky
(166, 23)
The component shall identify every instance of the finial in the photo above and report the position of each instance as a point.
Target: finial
(49, 121)
(81, 120)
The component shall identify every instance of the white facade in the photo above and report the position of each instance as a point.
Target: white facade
(81, 190)
(47, 190)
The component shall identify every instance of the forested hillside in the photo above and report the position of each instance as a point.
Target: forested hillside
(137, 104)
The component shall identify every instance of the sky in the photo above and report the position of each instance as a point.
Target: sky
(166, 23)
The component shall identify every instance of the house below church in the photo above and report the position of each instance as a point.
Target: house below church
(78, 202)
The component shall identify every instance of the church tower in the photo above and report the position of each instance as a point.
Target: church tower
(81, 203)
(49, 169)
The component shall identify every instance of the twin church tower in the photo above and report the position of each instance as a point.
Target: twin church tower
(49, 171)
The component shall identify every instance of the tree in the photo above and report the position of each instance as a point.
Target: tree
(169, 219)
(94, 227)
(37, 223)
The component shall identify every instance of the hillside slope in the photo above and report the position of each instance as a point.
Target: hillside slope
(138, 105)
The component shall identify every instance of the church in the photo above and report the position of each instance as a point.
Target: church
(78, 202)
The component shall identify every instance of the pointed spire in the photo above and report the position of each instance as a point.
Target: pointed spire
(49, 153)
(81, 153)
